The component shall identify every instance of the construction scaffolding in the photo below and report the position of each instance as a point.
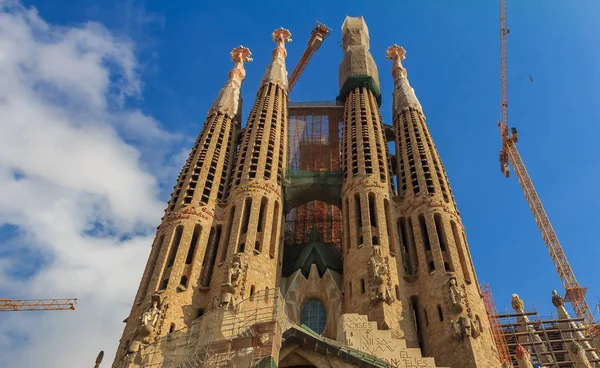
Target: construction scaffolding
(239, 336)
(315, 130)
(490, 308)
(546, 339)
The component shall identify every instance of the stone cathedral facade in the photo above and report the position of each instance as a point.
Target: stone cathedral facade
(230, 283)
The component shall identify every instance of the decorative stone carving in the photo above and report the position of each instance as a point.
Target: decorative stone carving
(150, 317)
(232, 281)
(517, 303)
(465, 327)
(557, 300)
(151, 322)
(523, 357)
(456, 295)
(381, 277)
(577, 353)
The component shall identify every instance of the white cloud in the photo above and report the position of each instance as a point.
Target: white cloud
(76, 177)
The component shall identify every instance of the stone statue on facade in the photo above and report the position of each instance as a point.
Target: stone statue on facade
(381, 273)
(233, 277)
(465, 327)
(150, 317)
(456, 295)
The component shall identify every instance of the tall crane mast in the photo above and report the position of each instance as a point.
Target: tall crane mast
(318, 34)
(11, 305)
(575, 293)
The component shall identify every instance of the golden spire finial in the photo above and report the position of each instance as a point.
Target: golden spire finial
(396, 54)
(239, 55)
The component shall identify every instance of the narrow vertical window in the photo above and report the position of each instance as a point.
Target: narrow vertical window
(461, 253)
(439, 229)
(261, 216)
(372, 210)
(424, 233)
(193, 244)
(164, 284)
(246, 217)
(362, 286)
(226, 239)
(152, 265)
(415, 306)
(183, 281)
(172, 328)
(440, 313)
(389, 224)
(347, 223)
(358, 218)
(210, 256)
(397, 292)
(252, 292)
(274, 228)
(175, 246)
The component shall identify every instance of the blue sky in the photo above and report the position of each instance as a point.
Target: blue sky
(182, 52)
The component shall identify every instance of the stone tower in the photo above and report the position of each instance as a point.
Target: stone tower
(366, 191)
(236, 277)
(450, 315)
(179, 259)
(255, 205)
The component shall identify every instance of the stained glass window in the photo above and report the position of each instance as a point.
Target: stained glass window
(314, 315)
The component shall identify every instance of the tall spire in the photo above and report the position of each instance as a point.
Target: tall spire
(276, 71)
(404, 94)
(229, 96)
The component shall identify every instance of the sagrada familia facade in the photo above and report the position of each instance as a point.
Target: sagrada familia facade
(225, 286)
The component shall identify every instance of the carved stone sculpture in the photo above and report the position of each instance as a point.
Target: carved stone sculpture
(456, 295)
(465, 327)
(381, 273)
(517, 303)
(577, 353)
(150, 317)
(234, 275)
(557, 300)
(523, 357)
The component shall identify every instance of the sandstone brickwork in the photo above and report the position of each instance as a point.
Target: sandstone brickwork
(450, 315)
(178, 253)
(402, 289)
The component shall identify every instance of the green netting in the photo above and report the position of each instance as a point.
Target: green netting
(360, 81)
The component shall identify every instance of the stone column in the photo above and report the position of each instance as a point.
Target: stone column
(533, 339)
(371, 284)
(445, 297)
(559, 303)
(184, 237)
(255, 207)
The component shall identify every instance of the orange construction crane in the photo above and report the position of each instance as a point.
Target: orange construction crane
(11, 305)
(317, 35)
(575, 294)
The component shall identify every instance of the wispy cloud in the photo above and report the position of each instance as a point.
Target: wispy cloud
(79, 198)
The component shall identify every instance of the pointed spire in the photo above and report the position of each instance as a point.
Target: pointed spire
(276, 72)
(404, 94)
(229, 96)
